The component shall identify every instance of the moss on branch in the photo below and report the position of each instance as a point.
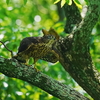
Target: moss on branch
(12, 68)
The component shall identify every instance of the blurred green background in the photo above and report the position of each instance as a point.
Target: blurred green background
(19, 19)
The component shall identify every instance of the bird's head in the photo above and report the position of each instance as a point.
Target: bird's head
(50, 36)
(48, 39)
(51, 33)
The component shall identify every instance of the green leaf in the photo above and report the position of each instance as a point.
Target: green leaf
(78, 4)
(25, 1)
(69, 2)
(63, 2)
(87, 2)
(77, 1)
(7, 1)
(56, 1)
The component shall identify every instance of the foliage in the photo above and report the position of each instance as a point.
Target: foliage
(24, 18)
(69, 2)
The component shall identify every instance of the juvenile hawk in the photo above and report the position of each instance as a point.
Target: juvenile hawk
(39, 47)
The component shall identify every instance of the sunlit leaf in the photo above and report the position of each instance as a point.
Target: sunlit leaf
(69, 2)
(56, 1)
(63, 2)
(23, 90)
(86, 2)
(78, 4)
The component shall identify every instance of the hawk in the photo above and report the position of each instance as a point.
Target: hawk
(39, 48)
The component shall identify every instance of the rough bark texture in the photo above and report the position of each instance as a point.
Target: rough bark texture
(73, 17)
(13, 68)
(74, 56)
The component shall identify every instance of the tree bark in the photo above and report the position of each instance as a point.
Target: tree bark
(74, 51)
(73, 17)
(13, 68)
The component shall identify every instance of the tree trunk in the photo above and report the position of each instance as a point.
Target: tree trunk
(74, 51)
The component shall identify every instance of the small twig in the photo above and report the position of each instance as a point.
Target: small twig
(7, 48)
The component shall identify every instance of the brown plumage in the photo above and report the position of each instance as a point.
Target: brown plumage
(39, 47)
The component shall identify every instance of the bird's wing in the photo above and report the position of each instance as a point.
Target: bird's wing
(51, 56)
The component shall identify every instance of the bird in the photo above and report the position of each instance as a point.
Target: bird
(39, 48)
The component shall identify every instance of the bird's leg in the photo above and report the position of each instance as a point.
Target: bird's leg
(35, 60)
(27, 62)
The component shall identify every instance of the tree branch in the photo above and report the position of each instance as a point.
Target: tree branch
(75, 56)
(12, 68)
(72, 15)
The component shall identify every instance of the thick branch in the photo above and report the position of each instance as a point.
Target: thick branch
(73, 17)
(75, 54)
(14, 69)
